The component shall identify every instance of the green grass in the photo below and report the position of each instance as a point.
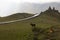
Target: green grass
(15, 17)
(14, 32)
(23, 31)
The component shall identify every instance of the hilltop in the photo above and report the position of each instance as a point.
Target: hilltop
(49, 15)
(51, 12)
(15, 16)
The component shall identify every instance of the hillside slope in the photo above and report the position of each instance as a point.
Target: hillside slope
(15, 17)
(23, 30)
(48, 16)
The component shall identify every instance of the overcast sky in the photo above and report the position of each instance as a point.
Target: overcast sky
(8, 7)
(40, 1)
(31, 1)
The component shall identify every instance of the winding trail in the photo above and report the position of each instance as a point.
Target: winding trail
(20, 19)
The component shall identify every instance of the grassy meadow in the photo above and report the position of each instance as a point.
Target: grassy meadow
(23, 30)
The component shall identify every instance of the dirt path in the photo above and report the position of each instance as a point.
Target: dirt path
(20, 19)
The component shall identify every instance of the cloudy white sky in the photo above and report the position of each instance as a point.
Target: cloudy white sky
(40, 1)
(8, 7)
(32, 1)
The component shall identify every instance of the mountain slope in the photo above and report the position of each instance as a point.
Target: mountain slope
(23, 30)
(52, 13)
(15, 17)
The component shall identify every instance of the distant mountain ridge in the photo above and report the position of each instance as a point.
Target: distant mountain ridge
(51, 16)
(31, 8)
(40, 8)
(52, 12)
(16, 17)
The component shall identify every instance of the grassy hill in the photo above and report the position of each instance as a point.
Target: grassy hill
(23, 30)
(15, 17)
